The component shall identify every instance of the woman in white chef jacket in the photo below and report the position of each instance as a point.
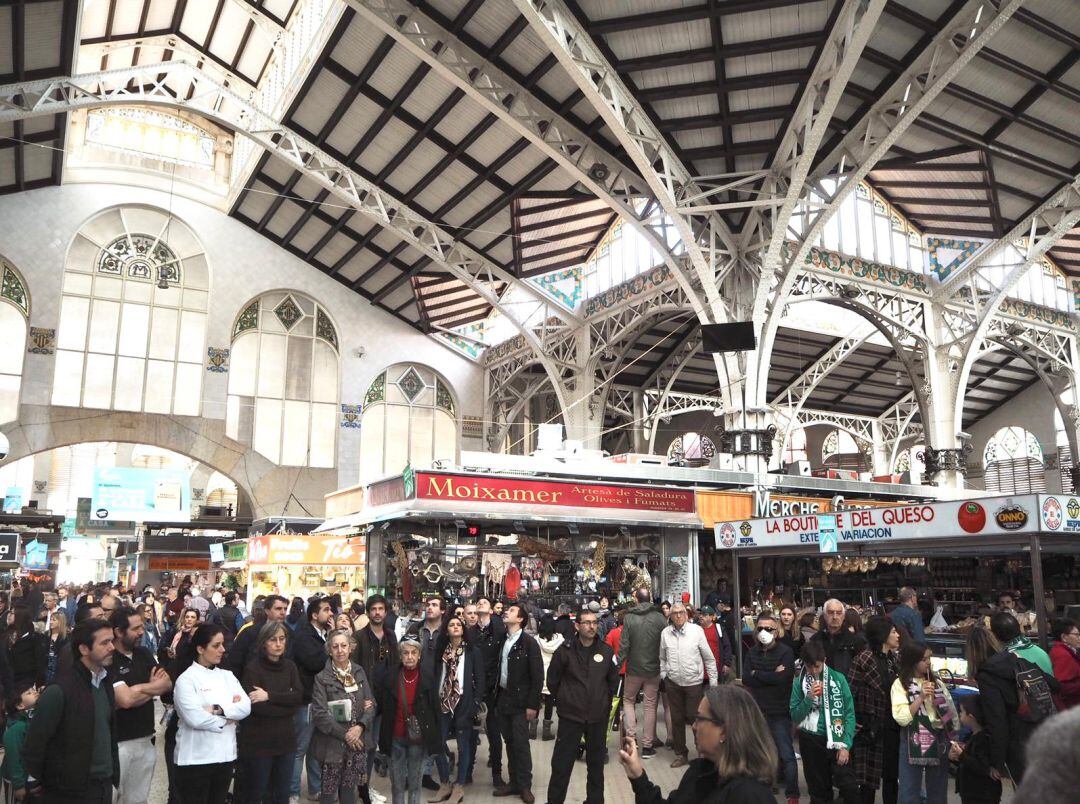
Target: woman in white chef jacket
(209, 701)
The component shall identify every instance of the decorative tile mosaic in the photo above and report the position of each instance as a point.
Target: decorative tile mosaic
(411, 384)
(42, 341)
(324, 328)
(350, 416)
(14, 291)
(566, 286)
(945, 255)
(864, 269)
(140, 256)
(249, 319)
(288, 313)
(628, 289)
(217, 360)
(376, 392)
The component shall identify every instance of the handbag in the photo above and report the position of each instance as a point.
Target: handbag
(412, 722)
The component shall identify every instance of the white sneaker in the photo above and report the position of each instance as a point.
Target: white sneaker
(294, 799)
(376, 796)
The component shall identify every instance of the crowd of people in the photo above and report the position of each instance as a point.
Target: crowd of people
(332, 690)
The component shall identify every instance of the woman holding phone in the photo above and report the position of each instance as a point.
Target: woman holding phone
(737, 759)
(924, 710)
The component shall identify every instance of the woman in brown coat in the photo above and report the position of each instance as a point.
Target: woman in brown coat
(876, 749)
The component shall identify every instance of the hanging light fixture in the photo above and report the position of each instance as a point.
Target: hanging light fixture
(899, 377)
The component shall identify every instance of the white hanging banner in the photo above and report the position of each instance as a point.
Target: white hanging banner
(992, 516)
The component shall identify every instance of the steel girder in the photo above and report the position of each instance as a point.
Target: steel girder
(625, 191)
(872, 138)
(786, 182)
(157, 84)
(709, 242)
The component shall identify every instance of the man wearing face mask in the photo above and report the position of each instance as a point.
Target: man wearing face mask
(768, 670)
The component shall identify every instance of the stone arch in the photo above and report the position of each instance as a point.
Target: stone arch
(271, 490)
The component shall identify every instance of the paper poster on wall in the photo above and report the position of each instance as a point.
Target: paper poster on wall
(141, 495)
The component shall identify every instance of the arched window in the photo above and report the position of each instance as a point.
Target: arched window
(841, 450)
(283, 380)
(133, 315)
(795, 448)
(221, 491)
(14, 312)
(691, 449)
(1013, 462)
(409, 418)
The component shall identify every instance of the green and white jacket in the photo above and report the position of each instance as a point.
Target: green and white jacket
(832, 716)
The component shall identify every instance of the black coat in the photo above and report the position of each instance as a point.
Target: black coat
(472, 692)
(840, 650)
(367, 649)
(524, 677)
(387, 684)
(489, 642)
(973, 771)
(25, 661)
(308, 649)
(701, 784)
(582, 684)
(1009, 733)
(771, 689)
(565, 626)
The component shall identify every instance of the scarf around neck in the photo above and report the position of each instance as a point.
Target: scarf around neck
(451, 690)
(833, 701)
(927, 742)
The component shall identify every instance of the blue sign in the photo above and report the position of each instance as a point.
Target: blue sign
(36, 556)
(141, 495)
(827, 533)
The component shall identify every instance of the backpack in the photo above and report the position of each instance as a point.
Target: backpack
(1033, 691)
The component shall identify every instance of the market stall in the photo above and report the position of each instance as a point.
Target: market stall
(1019, 528)
(300, 564)
(556, 540)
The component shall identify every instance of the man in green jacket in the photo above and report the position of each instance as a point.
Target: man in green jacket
(640, 649)
(822, 707)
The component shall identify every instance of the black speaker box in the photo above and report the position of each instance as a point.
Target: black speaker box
(738, 336)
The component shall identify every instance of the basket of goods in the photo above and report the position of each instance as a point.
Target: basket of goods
(534, 547)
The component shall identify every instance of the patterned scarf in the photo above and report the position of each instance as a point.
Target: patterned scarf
(927, 742)
(451, 690)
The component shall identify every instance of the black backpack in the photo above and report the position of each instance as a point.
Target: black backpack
(1033, 691)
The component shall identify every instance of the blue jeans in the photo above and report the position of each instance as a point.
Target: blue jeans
(267, 774)
(465, 749)
(406, 768)
(911, 779)
(780, 729)
(304, 727)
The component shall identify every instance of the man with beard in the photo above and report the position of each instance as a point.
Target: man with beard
(70, 753)
(488, 635)
(377, 653)
(136, 679)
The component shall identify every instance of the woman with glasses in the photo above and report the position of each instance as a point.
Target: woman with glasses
(1065, 656)
(151, 633)
(767, 673)
(343, 709)
(736, 762)
(877, 737)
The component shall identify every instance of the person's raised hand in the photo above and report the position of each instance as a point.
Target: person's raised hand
(630, 759)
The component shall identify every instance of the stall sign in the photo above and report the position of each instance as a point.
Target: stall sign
(236, 552)
(307, 548)
(563, 494)
(217, 553)
(35, 555)
(1060, 513)
(178, 563)
(9, 546)
(988, 516)
(762, 502)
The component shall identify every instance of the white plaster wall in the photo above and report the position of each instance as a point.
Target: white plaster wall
(37, 227)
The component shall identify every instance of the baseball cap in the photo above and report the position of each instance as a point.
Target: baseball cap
(706, 610)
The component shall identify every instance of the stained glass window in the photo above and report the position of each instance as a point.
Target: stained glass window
(409, 418)
(133, 315)
(14, 309)
(283, 380)
(1013, 462)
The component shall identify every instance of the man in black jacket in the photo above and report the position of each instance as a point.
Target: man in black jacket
(583, 678)
(768, 670)
(70, 752)
(520, 679)
(229, 617)
(841, 646)
(488, 636)
(308, 649)
(377, 653)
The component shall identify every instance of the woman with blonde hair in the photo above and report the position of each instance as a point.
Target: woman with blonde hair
(737, 761)
(58, 640)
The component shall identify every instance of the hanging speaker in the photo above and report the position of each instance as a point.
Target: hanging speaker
(738, 336)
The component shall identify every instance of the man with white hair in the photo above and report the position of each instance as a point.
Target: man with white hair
(841, 645)
(685, 658)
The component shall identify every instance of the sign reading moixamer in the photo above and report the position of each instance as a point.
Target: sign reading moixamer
(988, 516)
(569, 494)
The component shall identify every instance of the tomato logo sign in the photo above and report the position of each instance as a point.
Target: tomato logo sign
(1051, 513)
(971, 517)
(727, 535)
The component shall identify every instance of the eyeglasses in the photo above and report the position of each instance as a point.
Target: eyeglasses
(707, 719)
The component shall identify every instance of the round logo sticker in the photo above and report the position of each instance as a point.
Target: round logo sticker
(727, 535)
(597, 658)
(971, 517)
(1051, 513)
